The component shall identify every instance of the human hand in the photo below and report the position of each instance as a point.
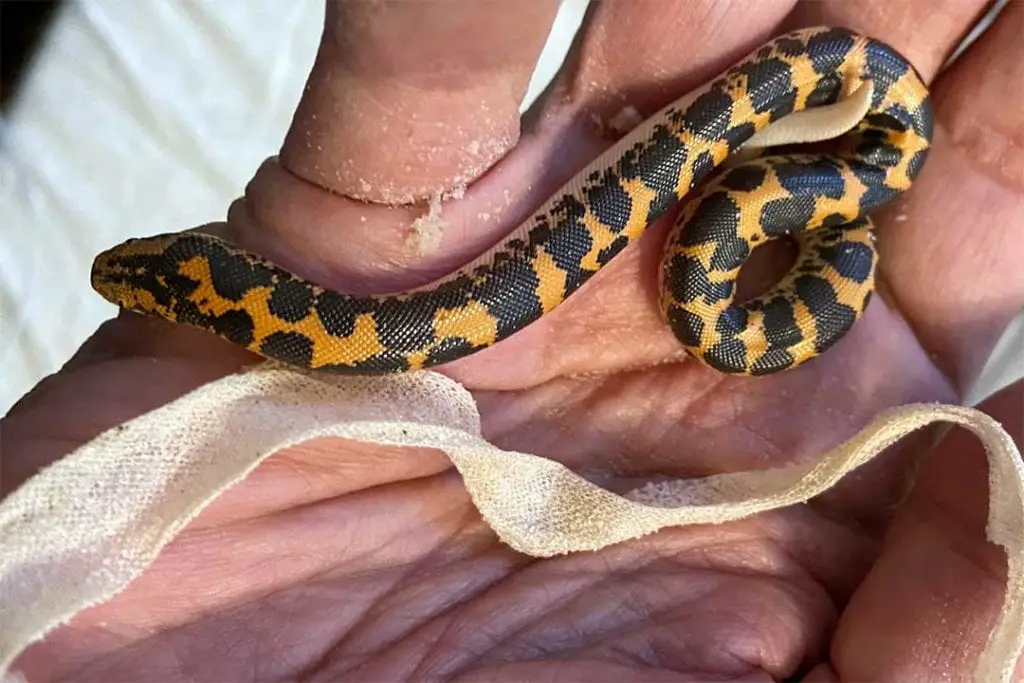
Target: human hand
(337, 560)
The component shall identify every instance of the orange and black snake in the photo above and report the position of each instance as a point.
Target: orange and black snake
(823, 200)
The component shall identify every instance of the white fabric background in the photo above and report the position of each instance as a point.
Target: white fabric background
(140, 117)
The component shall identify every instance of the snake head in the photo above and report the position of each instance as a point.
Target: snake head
(128, 275)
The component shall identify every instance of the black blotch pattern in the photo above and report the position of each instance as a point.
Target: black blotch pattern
(883, 122)
(833, 220)
(877, 193)
(568, 245)
(715, 217)
(784, 105)
(517, 245)
(879, 153)
(732, 321)
(687, 281)
(236, 326)
(780, 328)
(729, 355)
(829, 49)
(881, 57)
(290, 300)
(659, 164)
(408, 325)
(770, 84)
(288, 347)
(233, 275)
(852, 260)
(510, 295)
(400, 329)
(181, 285)
(173, 292)
(447, 350)
(791, 47)
(923, 119)
(739, 134)
(744, 178)
(503, 258)
(826, 91)
(610, 202)
(873, 135)
(702, 166)
(831, 317)
(709, 115)
(772, 361)
(383, 363)
(716, 220)
(818, 178)
(686, 326)
(188, 246)
(608, 253)
(151, 267)
(568, 209)
(787, 216)
(916, 163)
(336, 313)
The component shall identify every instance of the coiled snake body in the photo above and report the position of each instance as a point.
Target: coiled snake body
(823, 200)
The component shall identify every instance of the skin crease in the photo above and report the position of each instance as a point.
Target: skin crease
(340, 561)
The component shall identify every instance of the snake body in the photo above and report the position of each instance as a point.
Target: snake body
(823, 200)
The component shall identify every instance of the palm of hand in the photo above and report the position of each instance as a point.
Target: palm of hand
(342, 560)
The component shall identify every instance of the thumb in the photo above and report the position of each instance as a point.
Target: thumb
(406, 103)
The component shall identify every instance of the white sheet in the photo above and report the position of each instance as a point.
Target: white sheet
(143, 117)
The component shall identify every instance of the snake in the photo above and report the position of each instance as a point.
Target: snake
(688, 150)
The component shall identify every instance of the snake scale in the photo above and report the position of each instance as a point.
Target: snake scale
(822, 200)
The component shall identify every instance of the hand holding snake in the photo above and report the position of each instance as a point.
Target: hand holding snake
(376, 561)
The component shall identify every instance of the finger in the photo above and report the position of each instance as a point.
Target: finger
(933, 596)
(406, 103)
(924, 31)
(410, 99)
(954, 261)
